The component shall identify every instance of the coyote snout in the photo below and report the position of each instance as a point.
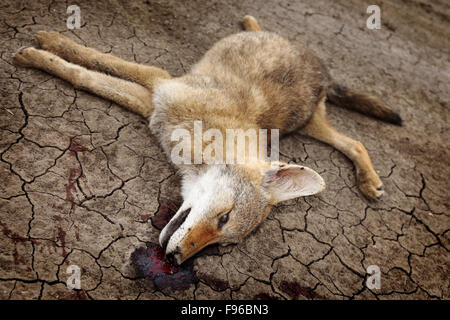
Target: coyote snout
(226, 202)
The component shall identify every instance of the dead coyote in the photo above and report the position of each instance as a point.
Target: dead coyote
(249, 80)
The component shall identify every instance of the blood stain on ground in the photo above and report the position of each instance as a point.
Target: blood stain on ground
(216, 284)
(62, 239)
(71, 187)
(264, 296)
(15, 239)
(76, 147)
(294, 290)
(151, 262)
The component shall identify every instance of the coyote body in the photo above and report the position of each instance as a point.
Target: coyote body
(247, 80)
(250, 80)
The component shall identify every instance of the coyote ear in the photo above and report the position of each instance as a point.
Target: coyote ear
(286, 181)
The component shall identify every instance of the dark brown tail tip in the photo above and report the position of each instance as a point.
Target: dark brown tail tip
(396, 119)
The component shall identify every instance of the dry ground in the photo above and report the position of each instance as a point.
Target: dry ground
(81, 180)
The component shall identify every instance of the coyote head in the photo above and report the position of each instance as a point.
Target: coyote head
(224, 203)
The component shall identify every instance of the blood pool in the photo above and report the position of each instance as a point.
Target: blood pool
(151, 262)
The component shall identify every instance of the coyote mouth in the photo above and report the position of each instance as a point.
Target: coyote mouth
(173, 226)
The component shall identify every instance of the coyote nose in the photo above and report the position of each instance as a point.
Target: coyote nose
(175, 255)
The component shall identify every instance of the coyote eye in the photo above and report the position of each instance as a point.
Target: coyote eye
(223, 219)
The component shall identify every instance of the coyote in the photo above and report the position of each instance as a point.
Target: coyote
(252, 79)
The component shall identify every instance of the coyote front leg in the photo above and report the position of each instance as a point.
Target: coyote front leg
(131, 95)
(319, 128)
(95, 60)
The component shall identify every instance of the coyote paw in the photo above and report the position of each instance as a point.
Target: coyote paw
(24, 57)
(49, 41)
(370, 185)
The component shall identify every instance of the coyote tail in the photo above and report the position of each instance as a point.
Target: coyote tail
(362, 102)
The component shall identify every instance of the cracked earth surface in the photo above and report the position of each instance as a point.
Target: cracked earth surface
(83, 182)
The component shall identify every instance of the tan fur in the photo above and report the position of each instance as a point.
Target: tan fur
(128, 94)
(248, 80)
(94, 60)
(250, 24)
(199, 237)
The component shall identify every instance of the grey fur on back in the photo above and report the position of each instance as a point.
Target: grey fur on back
(290, 78)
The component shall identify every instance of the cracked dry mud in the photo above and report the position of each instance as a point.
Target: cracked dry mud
(83, 182)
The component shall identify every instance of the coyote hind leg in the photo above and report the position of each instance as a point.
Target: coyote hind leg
(319, 128)
(131, 95)
(250, 24)
(95, 60)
